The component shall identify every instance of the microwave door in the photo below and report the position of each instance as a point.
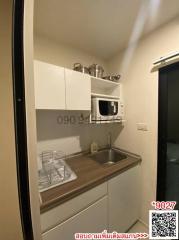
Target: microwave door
(104, 108)
(108, 108)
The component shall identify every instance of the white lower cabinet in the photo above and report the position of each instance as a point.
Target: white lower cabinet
(113, 205)
(124, 200)
(66, 210)
(92, 219)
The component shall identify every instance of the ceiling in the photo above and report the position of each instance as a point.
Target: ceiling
(101, 27)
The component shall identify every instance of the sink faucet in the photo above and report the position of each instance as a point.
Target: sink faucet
(109, 140)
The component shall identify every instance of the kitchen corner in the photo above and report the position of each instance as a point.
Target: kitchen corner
(83, 173)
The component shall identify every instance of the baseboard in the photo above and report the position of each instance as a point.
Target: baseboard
(146, 225)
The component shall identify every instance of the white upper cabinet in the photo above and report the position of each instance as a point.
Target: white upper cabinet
(60, 88)
(78, 90)
(49, 86)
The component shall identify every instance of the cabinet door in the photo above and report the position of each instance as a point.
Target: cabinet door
(124, 200)
(49, 86)
(92, 219)
(64, 211)
(78, 90)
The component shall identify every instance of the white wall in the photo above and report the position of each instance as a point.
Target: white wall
(53, 52)
(69, 138)
(140, 90)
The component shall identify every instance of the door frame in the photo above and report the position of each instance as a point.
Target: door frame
(25, 118)
(162, 130)
(20, 119)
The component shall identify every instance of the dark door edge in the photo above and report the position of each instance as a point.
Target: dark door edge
(20, 119)
(162, 131)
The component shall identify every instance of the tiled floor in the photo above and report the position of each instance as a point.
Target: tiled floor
(138, 227)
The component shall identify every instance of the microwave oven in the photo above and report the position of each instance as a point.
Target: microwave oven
(104, 109)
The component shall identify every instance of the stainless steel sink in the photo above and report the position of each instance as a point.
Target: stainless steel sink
(108, 156)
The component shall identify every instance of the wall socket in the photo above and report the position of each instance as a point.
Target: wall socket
(142, 127)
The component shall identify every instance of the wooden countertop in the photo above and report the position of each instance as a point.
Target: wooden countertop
(89, 174)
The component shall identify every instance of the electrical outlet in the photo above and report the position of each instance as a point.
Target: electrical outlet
(142, 127)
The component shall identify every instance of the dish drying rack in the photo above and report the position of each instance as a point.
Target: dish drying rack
(55, 171)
